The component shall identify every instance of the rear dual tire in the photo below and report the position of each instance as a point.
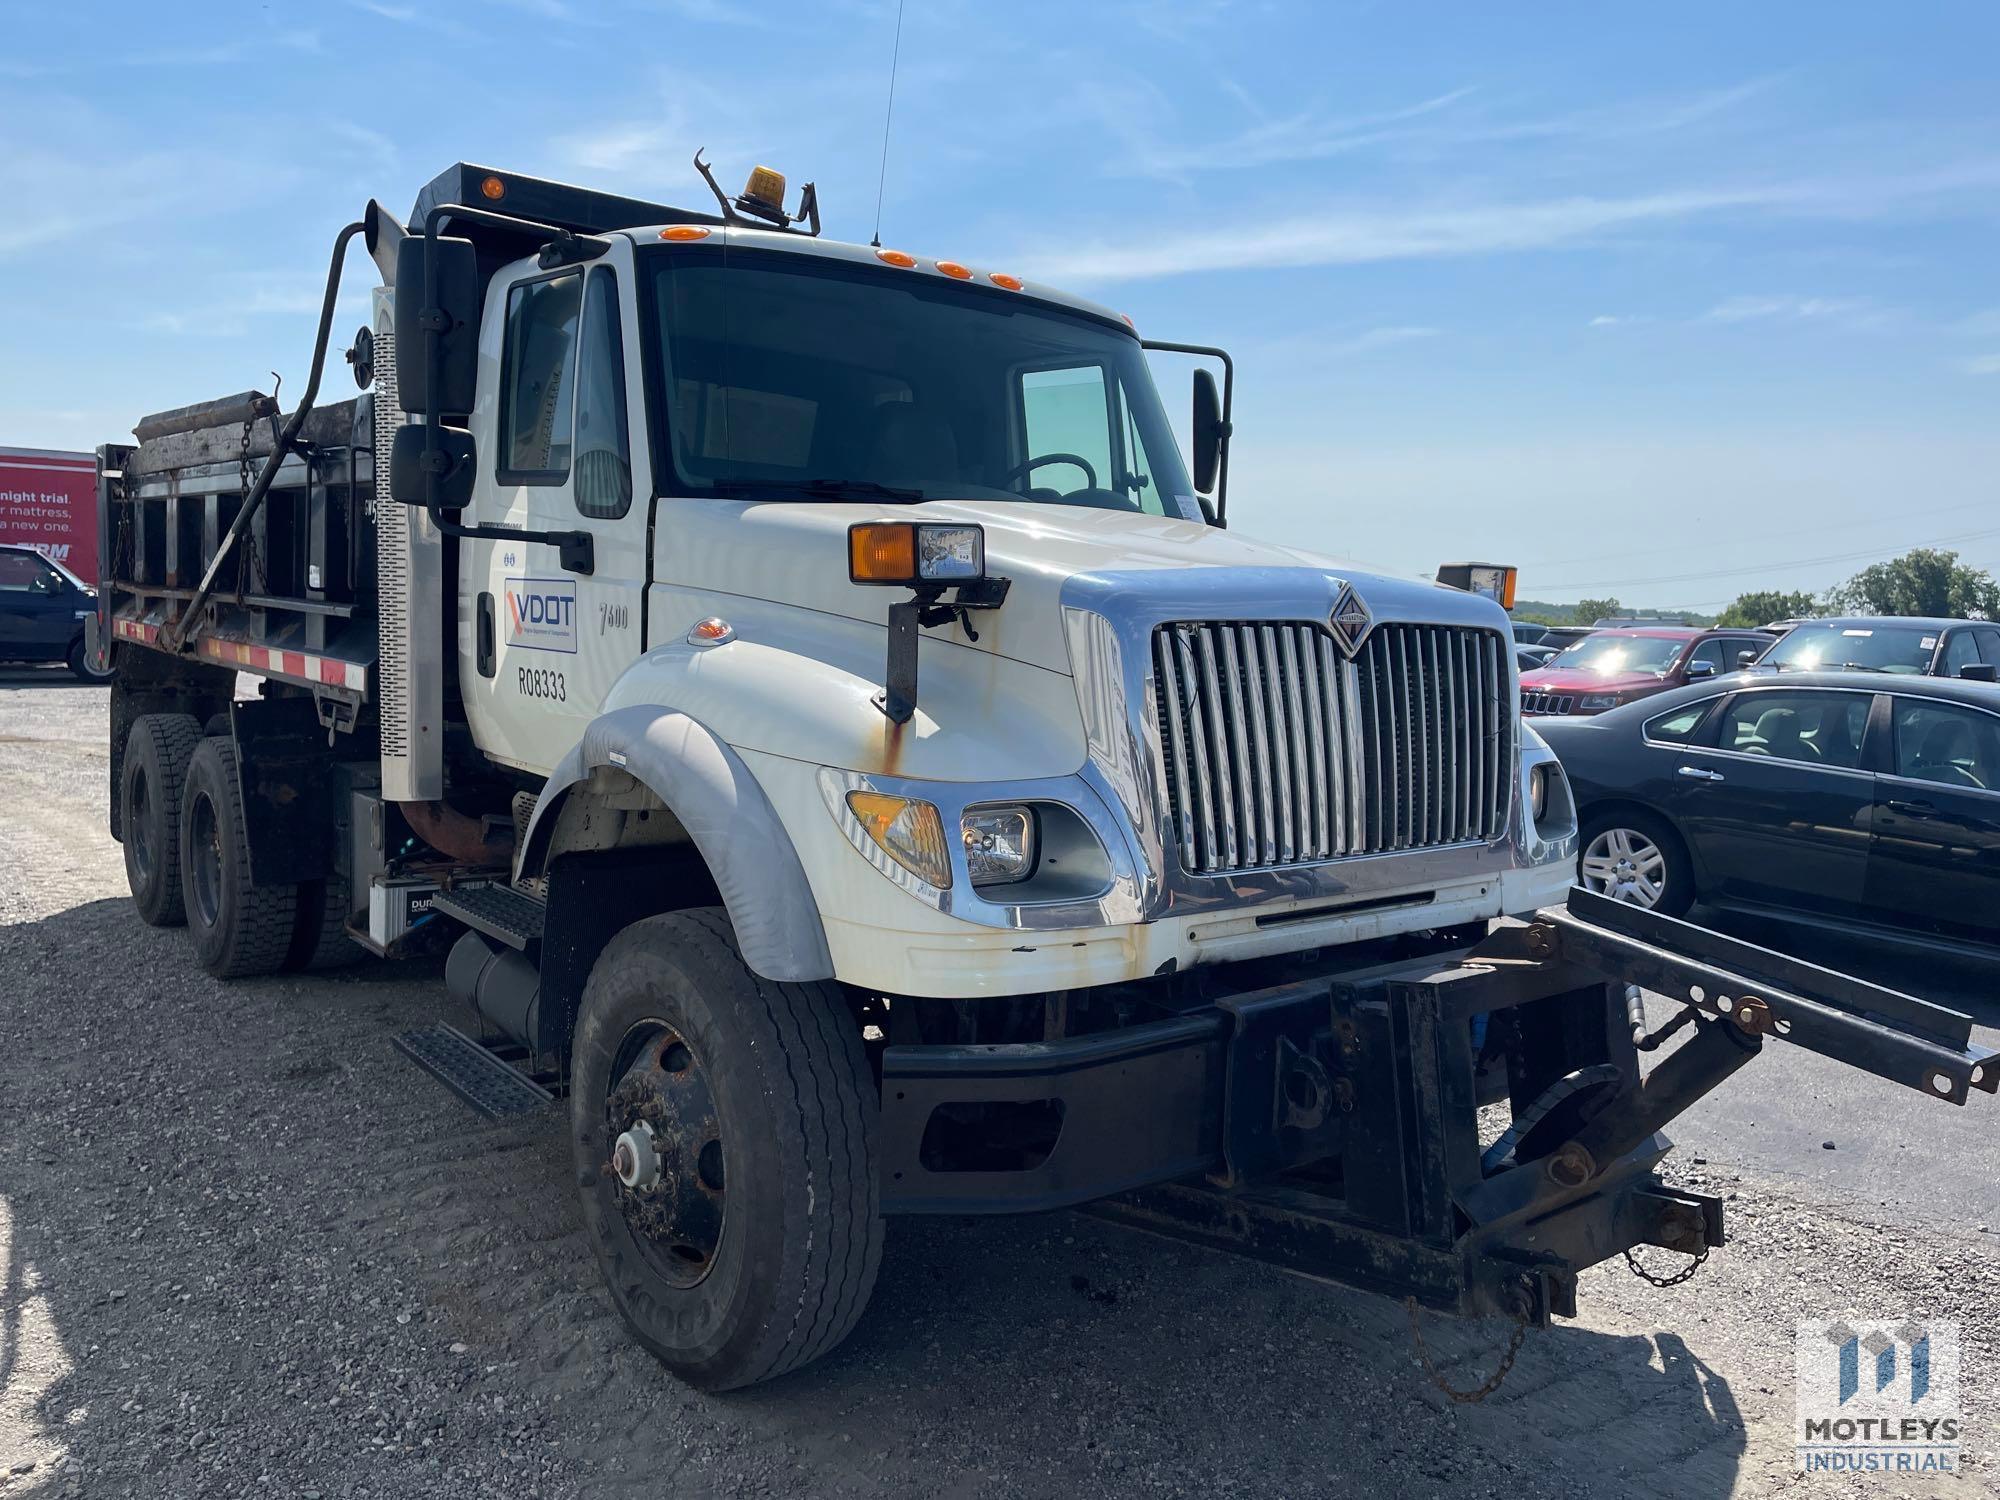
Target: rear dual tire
(151, 784)
(238, 928)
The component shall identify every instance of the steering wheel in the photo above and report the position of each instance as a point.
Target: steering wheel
(1022, 471)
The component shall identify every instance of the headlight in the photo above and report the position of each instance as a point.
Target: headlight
(908, 831)
(999, 844)
(1598, 700)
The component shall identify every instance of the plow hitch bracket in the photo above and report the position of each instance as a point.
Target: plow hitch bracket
(1759, 994)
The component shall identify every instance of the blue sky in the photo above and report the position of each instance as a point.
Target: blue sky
(1664, 303)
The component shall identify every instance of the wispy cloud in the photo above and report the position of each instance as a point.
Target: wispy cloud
(1619, 320)
(1983, 364)
(414, 16)
(1843, 312)
(1376, 338)
(1359, 234)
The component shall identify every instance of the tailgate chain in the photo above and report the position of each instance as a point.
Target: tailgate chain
(1491, 1383)
(1684, 1274)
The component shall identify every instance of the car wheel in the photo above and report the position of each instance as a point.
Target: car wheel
(1636, 858)
(80, 665)
(239, 928)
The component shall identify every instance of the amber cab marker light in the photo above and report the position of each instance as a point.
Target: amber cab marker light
(882, 553)
(684, 232)
(954, 270)
(1002, 279)
(492, 189)
(899, 258)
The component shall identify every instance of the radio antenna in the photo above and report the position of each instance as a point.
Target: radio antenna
(895, 56)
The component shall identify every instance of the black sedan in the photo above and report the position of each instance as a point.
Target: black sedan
(1843, 798)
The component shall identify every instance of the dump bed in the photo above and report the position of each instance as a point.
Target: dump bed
(296, 597)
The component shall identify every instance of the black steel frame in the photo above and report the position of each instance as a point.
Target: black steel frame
(1330, 1125)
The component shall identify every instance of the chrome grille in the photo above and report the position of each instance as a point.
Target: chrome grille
(1548, 703)
(1275, 750)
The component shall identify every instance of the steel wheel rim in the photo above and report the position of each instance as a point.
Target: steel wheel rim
(1625, 865)
(205, 844)
(139, 836)
(659, 1101)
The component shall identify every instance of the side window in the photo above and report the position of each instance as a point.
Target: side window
(1066, 411)
(603, 456)
(536, 389)
(1949, 745)
(1679, 724)
(21, 572)
(1989, 646)
(1960, 650)
(1716, 651)
(1812, 728)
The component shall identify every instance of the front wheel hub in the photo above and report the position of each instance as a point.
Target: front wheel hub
(665, 1148)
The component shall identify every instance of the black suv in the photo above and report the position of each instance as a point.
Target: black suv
(1889, 643)
(42, 609)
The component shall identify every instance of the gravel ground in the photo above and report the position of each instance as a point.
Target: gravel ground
(246, 1248)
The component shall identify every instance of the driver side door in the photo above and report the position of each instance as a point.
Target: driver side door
(540, 646)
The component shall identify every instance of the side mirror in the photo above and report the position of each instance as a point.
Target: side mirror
(1207, 432)
(1698, 670)
(457, 462)
(1978, 671)
(456, 317)
(1744, 658)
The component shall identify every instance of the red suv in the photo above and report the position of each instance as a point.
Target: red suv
(1610, 667)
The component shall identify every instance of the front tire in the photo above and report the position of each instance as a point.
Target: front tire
(1633, 856)
(723, 1132)
(238, 928)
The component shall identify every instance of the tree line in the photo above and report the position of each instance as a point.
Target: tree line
(1924, 581)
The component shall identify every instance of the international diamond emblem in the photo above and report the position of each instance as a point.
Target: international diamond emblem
(1350, 620)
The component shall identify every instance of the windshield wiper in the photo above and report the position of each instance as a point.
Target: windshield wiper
(818, 489)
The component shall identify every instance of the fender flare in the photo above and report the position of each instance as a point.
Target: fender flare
(734, 827)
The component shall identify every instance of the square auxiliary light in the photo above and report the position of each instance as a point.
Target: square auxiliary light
(915, 553)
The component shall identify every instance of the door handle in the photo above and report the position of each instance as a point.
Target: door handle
(483, 636)
(1701, 773)
(1913, 809)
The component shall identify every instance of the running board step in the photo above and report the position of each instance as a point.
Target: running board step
(503, 914)
(491, 1085)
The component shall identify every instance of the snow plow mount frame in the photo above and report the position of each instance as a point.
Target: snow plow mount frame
(1328, 1123)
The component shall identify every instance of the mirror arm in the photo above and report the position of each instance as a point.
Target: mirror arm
(1224, 427)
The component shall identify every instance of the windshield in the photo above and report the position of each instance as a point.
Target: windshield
(794, 374)
(1882, 648)
(1608, 655)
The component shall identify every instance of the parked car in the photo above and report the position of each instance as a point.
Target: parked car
(1561, 636)
(1889, 643)
(1833, 797)
(1610, 667)
(42, 609)
(1533, 658)
(1528, 633)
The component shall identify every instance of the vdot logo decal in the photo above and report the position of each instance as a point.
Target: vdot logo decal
(1878, 1396)
(541, 614)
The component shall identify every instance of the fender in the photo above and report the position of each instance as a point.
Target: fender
(725, 812)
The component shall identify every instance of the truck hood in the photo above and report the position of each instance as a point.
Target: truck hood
(1573, 680)
(796, 553)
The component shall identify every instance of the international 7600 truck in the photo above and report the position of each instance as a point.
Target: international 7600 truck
(848, 753)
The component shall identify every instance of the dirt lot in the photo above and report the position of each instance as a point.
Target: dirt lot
(246, 1248)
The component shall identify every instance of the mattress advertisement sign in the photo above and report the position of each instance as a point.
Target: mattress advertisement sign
(48, 499)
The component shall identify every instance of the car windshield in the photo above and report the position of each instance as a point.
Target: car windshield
(1608, 655)
(1885, 647)
(804, 377)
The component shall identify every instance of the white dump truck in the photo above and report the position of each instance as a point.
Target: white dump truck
(847, 754)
